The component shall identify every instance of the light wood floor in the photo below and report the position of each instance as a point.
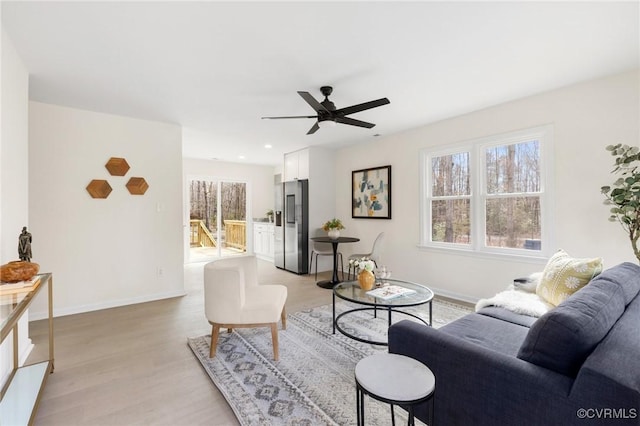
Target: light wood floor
(131, 365)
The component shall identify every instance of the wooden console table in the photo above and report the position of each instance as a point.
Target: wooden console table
(21, 393)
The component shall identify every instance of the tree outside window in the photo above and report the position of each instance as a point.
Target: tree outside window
(451, 192)
(487, 195)
(512, 207)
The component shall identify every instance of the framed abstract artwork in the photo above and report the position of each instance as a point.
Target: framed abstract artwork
(371, 197)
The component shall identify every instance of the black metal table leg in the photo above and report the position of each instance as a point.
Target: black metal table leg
(334, 313)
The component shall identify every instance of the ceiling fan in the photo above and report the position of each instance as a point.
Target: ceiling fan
(328, 115)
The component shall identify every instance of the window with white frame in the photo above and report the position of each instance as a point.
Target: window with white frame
(489, 195)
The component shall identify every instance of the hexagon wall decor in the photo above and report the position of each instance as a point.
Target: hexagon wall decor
(137, 186)
(99, 188)
(117, 166)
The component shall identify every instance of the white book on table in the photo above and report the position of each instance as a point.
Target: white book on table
(390, 292)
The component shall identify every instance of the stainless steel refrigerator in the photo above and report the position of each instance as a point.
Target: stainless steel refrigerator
(292, 250)
(278, 238)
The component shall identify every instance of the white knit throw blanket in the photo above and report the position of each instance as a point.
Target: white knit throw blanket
(517, 301)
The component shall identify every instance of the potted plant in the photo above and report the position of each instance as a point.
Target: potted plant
(624, 193)
(333, 227)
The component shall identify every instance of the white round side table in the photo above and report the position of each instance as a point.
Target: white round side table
(396, 380)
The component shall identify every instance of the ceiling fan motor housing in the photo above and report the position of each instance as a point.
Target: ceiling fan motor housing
(326, 91)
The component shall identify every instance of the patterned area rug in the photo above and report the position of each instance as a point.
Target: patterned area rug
(313, 382)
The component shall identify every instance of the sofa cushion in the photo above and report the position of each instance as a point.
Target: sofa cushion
(563, 338)
(488, 332)
(627, 275)
(609, 374)
(507, 315)
(565, 275)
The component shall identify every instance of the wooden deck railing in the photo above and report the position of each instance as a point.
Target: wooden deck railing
(200, 235)
(236, 234)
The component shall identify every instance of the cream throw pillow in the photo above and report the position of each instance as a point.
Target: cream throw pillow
(565, 275)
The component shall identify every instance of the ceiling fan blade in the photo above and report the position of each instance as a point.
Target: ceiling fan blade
(312, 101)
(313, 129)
(292, 116)
(361, 107)
(353, 122)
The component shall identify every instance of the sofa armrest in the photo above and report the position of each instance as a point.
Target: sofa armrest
(476, 385)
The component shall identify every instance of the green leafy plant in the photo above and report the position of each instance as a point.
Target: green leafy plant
(333, 224)
(624, 193)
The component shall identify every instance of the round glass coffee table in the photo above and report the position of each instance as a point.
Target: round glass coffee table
(350, 291)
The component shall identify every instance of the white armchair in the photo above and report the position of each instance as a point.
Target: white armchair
(234, 299)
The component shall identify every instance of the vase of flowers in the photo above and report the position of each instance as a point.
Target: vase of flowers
(333, 228)
(365, 267)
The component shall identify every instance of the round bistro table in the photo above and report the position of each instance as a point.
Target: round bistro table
(334, 244)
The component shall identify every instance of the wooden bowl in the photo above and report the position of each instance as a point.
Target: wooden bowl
(17, 271)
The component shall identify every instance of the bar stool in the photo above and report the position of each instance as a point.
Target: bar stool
(394, 379)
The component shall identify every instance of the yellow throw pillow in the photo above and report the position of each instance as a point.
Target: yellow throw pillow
(565, 275)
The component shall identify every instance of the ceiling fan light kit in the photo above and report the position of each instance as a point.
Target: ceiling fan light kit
(326, 123)
(328, 115)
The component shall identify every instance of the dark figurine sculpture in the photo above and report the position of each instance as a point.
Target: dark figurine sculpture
(24, 245)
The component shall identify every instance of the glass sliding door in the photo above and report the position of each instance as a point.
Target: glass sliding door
(217, 218)
(233, 214)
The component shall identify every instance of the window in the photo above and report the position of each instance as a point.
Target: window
(451, 198)
(489, 195)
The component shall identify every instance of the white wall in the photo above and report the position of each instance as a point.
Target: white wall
(104, 252)
(321, 188)
(14, 152)
(322, 201)
(586, 117)
(14, 179)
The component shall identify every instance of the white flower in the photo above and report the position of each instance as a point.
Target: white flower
(364, 264)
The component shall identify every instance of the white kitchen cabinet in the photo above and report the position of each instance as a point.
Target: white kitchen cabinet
(270, 241)
(296, 165)
(263, 235)
(303, 164)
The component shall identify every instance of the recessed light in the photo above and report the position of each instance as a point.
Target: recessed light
(241, 157)
(268, 146)
(376, 135)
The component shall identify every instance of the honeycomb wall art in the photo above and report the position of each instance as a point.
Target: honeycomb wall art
(137, 186)
(99, 188)
(117, 166)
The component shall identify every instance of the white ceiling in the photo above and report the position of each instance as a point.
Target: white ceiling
(216, 67)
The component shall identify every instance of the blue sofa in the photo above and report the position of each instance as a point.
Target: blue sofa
(579, 364)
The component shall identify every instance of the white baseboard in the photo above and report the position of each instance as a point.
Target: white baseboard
(452, 295)
(106, 305)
